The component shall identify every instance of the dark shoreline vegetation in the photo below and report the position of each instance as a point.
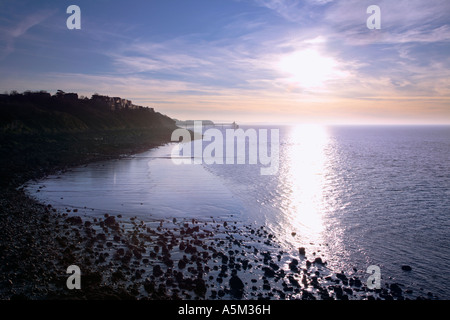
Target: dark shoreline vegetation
(125, 258)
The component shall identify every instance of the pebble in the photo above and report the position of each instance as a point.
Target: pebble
(406, 268)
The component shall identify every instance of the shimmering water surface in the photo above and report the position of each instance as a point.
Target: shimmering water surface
(357, 196)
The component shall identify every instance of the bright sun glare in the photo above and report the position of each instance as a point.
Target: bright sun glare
(307, 171)
(308, 68)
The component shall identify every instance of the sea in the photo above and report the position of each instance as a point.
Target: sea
(357, 196)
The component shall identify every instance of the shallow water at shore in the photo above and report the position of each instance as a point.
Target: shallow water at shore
(147, 185)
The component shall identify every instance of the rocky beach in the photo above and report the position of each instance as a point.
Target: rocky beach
(164, 259)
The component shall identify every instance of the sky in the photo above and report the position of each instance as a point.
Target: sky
(249, 61)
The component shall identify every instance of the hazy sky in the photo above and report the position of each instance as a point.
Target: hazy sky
(244, 60)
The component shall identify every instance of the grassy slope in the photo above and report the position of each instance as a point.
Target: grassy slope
(45, 134)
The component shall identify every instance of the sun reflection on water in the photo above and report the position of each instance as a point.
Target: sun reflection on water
(305, 177)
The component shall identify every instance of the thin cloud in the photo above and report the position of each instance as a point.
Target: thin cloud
(10, 34)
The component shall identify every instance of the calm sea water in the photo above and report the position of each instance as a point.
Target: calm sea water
(356, 196)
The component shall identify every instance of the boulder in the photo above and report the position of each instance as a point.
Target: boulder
(181, 264)
(319, 261)
(406, 268)
(268, 272)
(110, 221)
(157, 271)
(75, 220)
(236, 286)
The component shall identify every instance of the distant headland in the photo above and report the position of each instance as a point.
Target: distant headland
(183, 123)
(41, 112)
(205, 123)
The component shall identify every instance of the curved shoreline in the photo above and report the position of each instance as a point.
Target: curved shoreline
(193, 260)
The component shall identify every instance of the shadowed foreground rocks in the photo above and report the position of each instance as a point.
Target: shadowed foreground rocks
(124, 259)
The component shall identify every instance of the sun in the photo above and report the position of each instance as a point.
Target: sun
(308, 68)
